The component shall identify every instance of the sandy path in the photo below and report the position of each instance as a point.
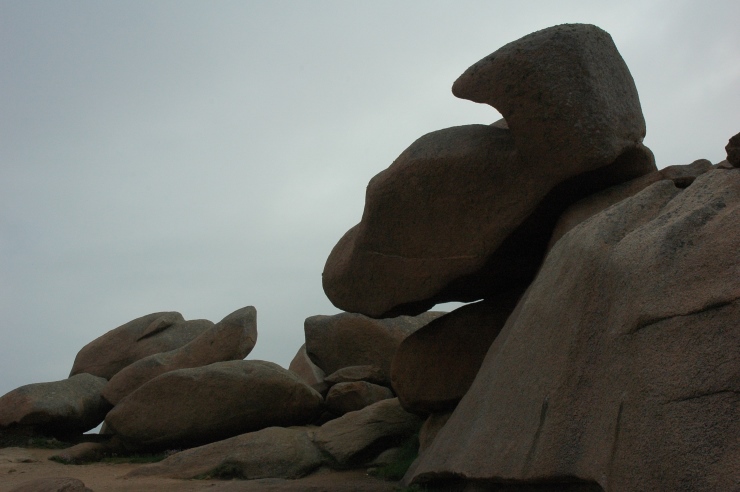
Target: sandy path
(19, 465)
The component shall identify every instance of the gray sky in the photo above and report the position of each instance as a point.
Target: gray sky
(205, 156)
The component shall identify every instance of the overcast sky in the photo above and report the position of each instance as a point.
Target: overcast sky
(204, 156)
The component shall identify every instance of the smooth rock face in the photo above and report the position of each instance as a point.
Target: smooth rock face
(59, 408)
(355, 395)
(62, 484)
(206, 404)
(681, 175)
(150, 334)
(273, 452)
(369, 373)
(357, 436)
(733, 150)
(347, 339)
(310, 373)
(566, 95)
(435, 365)
(232, 338)
(621, 365)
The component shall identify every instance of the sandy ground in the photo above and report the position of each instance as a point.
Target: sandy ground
(19, 465)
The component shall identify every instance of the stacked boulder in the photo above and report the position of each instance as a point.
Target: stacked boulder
(603, 352)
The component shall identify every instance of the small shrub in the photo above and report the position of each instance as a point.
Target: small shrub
(409, 451)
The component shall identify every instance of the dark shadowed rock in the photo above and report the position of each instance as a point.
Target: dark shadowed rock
(566, 95)
(435, 365)
(64, 484)
(59, 408)
(357, 436)
(273, 452)
(310, 373)
(620, 367)
(733, 150)
(206, 404)
(346, 339)
(355, 395)
(232, 338)
(430, 428)
(150, 334)
(369, 373)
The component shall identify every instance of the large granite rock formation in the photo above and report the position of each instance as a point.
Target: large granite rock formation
(147, 335)
(59, 408)
(206, 404)
(466, 213)
(232, 338)
(346, 339)
(620, 367)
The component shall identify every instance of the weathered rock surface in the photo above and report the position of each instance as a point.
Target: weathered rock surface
(62, 484)
(58, 408)
(566, 95)
(232, 338)
(206, 404)
(355, 395)
(274, 452)
(150, 334)
(435, 365)
(620, 367)
(681, 175)
(358, 436)
(310, 373)
(369, 373)
(466, 213)
(347, 339)
(733, 150)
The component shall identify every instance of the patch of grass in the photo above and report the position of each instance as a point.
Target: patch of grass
(224, 471)
(409, 451)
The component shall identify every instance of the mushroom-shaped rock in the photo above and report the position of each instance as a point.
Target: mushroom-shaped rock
(59, 408)
(206, 404)
(150, 334)
(620, 366)
(347, 339)
(435, 365)
(566, 95)
(232, 338)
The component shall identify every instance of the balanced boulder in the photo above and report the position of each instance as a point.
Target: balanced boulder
(59, 408)
(620, 367)
(150, 334)
(733, 150)
(210, 403)
(347, 339)
(232, 338)
(466, 213)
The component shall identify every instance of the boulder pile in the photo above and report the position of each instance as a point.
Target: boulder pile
(599, 349)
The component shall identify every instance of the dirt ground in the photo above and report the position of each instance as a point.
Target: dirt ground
(20, 465)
